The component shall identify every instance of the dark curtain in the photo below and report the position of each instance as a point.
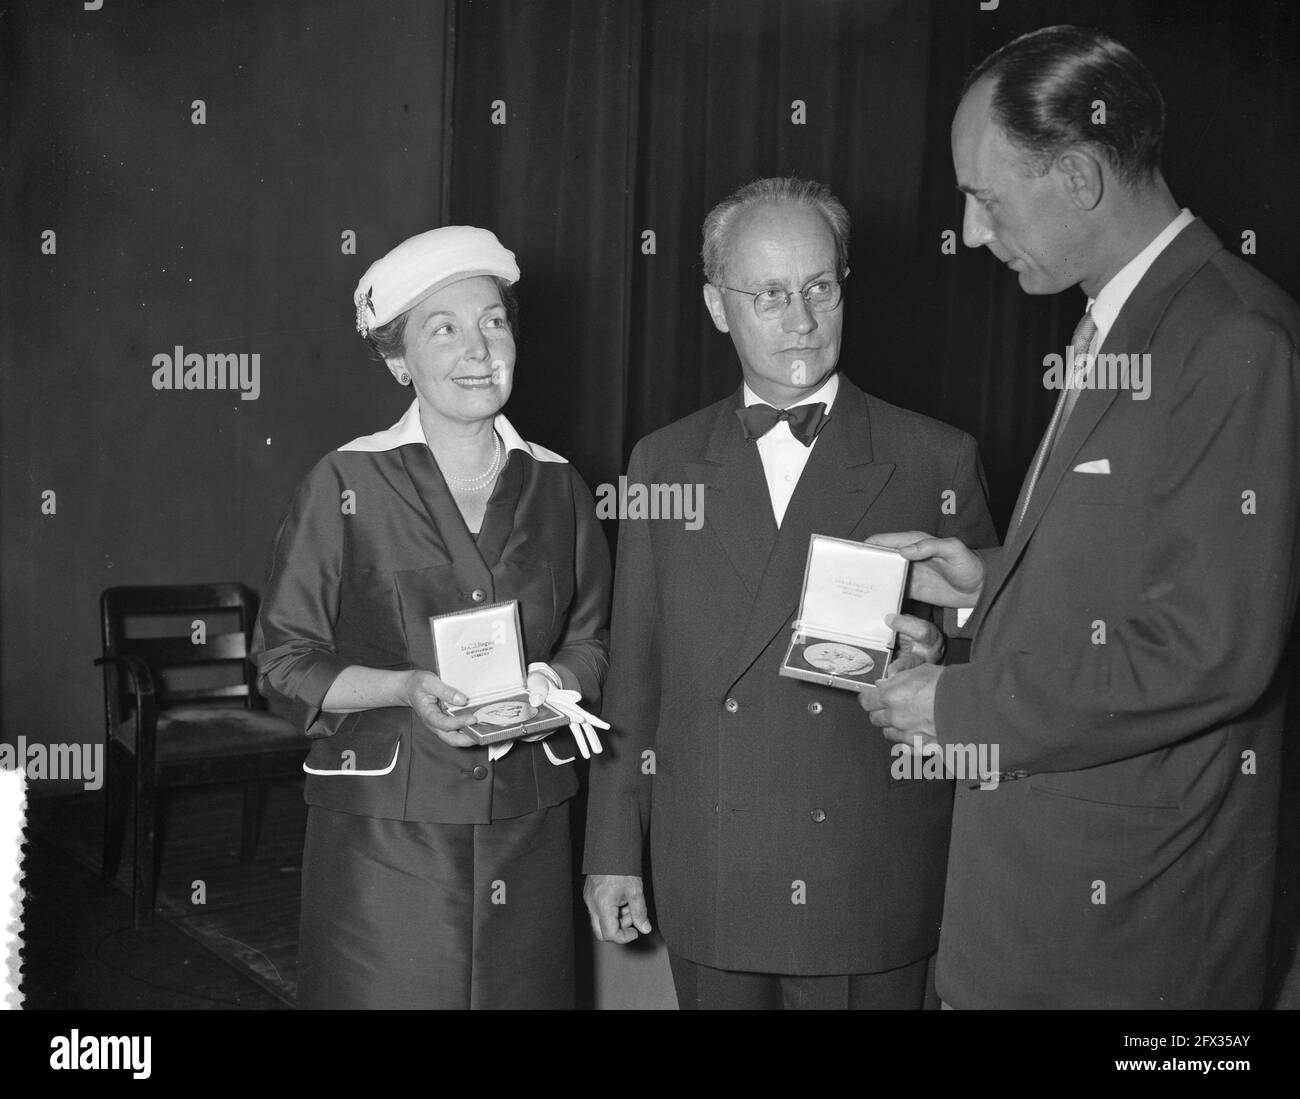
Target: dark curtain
(553, 183)
(638, 116)
(1231, 84)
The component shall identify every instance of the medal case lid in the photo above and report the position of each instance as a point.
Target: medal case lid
(480, 651)
(848, 589)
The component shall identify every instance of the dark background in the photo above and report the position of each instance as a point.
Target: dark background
(325, 116)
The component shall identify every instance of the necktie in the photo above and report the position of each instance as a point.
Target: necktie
(805, 420)
(1079, 344)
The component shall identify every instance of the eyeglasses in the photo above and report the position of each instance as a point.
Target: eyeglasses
(821, 296)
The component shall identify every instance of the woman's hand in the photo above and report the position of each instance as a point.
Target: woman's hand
(425, 693)
(540, 684)
(546, 686)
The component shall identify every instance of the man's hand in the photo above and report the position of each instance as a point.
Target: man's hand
(919, 642)
(903, 704)
(944, 572)
(616, 905)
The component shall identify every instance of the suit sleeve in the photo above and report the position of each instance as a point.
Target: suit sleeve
(581, 656)
(1218, 581)
(972, 524)
(618, 807)
(293, 643)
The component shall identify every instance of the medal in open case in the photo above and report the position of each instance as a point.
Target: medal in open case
(840, 638)
(480, 652)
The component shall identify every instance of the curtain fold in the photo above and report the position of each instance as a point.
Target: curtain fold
(635, 118)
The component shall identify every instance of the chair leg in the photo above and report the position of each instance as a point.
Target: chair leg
(254, 803)
(144, 885)
(116, 787)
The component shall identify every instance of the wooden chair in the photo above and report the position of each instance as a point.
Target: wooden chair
(181, 709)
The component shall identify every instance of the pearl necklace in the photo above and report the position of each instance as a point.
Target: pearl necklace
(484, 479)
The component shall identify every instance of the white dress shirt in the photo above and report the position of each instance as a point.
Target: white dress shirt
(783, 455)
(1110, 298)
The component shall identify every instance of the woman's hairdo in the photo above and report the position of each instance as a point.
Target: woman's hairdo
(1069, 86)
(779, 189)
(388, 341)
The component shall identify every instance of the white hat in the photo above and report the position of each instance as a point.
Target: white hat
(425, 263)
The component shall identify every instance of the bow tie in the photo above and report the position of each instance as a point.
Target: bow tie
(805, 420)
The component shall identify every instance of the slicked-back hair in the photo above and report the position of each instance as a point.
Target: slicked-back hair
(775, 190)
(1048, 84)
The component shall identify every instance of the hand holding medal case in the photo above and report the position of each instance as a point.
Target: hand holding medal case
(480, 652)
(840, 638)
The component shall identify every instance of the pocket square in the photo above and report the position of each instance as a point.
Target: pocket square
(1099, 465)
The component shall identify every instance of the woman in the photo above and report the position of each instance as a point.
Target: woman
(435, 873)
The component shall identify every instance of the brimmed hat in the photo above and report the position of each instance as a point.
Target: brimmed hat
(425, 263)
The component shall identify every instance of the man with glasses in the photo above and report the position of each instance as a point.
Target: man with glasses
(792, 865)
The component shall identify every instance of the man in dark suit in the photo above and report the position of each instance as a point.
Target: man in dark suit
(1129, 631)
(791, 867)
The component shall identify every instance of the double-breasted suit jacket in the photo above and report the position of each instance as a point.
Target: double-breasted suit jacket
(780, 842)
(1124, 660)
(373, 545)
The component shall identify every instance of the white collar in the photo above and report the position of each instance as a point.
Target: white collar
(825, 392)
(408, 430)
(1110, 298)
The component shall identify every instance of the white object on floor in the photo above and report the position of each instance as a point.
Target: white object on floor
(13, 816)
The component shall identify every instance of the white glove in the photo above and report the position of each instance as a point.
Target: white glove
(580, 723)
(546, 680)
(542, 679)
(546, 687)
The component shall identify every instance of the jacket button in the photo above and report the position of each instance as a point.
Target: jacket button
(818, 815)
(478, 595)
(479, 772)
(814, 707)
(731, 705)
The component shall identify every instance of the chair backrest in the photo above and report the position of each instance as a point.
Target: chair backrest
(194, 637)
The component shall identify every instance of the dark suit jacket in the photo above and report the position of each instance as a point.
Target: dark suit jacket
(359, 587)
(780, 842)
(1153, 749)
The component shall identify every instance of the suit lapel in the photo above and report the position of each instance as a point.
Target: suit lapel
(1131, 334)
(448, 525)
(736, 502)
(837, 486)
(1088, 411)
(499, 519)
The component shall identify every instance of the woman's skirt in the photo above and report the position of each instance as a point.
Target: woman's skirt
(412, 914)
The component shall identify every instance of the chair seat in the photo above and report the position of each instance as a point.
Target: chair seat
(190, 732)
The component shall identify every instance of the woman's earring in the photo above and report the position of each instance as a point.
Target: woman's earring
(404, 378)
